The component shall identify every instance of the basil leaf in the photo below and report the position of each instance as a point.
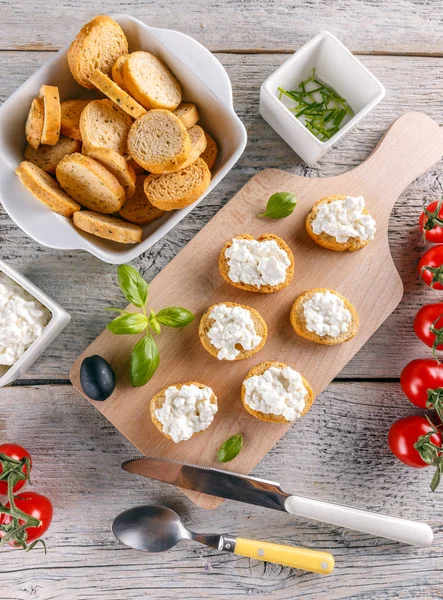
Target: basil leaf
(129, 323)
(144, 360)
(175, 316)
(112, 309)
(133, 286)
(280, 205)
(155, 326)
(230, 449)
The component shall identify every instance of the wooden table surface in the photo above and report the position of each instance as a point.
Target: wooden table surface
(338, 452)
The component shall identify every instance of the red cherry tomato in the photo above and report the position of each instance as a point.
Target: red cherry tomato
(419, 376)
(429, 223)
(430, 267)
(402, 436)
(36, 506)
(15, 452)
(429, 319)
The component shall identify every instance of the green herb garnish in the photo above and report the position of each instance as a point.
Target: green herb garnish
(318, 106)
(279, 205)
(230, 449)
(145, 355)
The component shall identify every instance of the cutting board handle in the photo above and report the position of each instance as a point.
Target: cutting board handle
(411, 146)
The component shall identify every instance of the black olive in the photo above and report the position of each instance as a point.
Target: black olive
(97, 378)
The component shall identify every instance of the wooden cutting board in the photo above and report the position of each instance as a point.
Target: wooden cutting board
(368, 278)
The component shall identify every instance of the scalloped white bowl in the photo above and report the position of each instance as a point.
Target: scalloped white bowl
(204, 81)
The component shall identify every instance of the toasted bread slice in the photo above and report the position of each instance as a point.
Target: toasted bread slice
(264, 288)
(206, 322)
(198, 145)
(117, 73)
(46, 189)
(150, 81)
(115, 93)
(138, 209)
(271, 417)
(90, 183)
(329, 241)
(108, 227)
(34, 123)
(48, 157)
(70, 118)
(210, 153)
(159, 398)
(187, 113)
(298, 321)
(177, 190)
(117, 165)
(51, 114)
(97, 46)
(159, 142)
(104, 125)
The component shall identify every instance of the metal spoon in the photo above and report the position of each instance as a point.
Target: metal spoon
(157, 528)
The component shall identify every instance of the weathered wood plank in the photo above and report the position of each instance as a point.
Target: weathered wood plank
(338, 452)
(84, 285)
(395, 26)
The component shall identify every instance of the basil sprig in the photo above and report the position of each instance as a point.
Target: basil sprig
(230, 449)
(145, 356)
(280, 205)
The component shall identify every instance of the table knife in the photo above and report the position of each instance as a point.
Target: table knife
(261, 492)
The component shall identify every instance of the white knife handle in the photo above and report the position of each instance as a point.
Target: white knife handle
(392, 528)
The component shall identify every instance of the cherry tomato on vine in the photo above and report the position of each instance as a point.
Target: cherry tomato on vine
(430, 267)
(16, 453)
(422, 382)
(35, 505)
(428, 325)
(431, 221)
(406, 432)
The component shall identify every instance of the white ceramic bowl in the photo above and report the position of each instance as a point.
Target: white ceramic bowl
(204, 82)
(335, 66)
(60, 318)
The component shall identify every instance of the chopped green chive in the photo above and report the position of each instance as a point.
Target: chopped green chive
(322, 109)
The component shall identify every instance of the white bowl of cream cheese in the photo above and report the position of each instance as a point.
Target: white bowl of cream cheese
(29, 321)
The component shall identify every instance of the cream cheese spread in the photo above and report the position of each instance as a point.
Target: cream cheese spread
(185, 411)
(257, 263)
(326, 314)
(278, 391)
(233, 326)
(22, 320)
(344, 219)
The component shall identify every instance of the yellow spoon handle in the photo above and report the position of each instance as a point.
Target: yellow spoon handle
(288, 556)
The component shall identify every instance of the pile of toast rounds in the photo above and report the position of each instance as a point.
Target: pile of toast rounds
(121, 160)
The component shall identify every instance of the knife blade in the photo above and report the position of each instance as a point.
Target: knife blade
(214, 482)
(268, 494)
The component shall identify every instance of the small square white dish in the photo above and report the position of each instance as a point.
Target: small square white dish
(337, 67)
(59, 319)
(204, 81)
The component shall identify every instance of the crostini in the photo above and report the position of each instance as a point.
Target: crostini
(341, 223)
(97, 45)
(171, 191)
(324, 316)
(262, 265)
(276, 393)
(182, 410)
(230, 331)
